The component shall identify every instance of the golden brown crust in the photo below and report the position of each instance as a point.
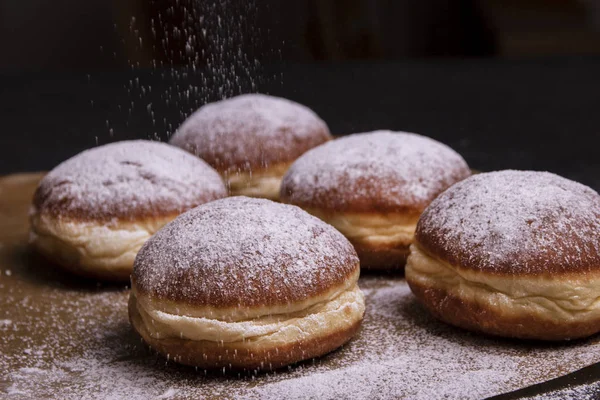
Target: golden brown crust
(195, 294)
(250, 132)
(85, 214)
(263, 156)
(128, 181)
(521, 306)
(246, 355)
(331, 202)
(266, 302)
(476, 317)
(514, 223)
(244, 252)
(379, 172)
(237, 296)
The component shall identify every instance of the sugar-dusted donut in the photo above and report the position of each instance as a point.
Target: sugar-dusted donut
(251, 140)
(373, 187)
(511, 253)
(92, 213)
(246, 284)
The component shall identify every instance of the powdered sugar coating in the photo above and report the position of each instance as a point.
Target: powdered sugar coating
(375, 171)
(243, 252)
(515, 222)
(251, 131)
(128, 180)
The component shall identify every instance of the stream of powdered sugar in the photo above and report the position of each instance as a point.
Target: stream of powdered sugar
(188, 54)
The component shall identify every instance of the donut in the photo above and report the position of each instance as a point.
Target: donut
(372, 187)
(245, 284)
(251, 140)
(513, 254)
(92, 213)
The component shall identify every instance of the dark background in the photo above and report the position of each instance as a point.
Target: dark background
(93, 34)
(508, 84)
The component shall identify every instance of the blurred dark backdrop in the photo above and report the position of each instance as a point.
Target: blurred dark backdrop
(91, 34)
